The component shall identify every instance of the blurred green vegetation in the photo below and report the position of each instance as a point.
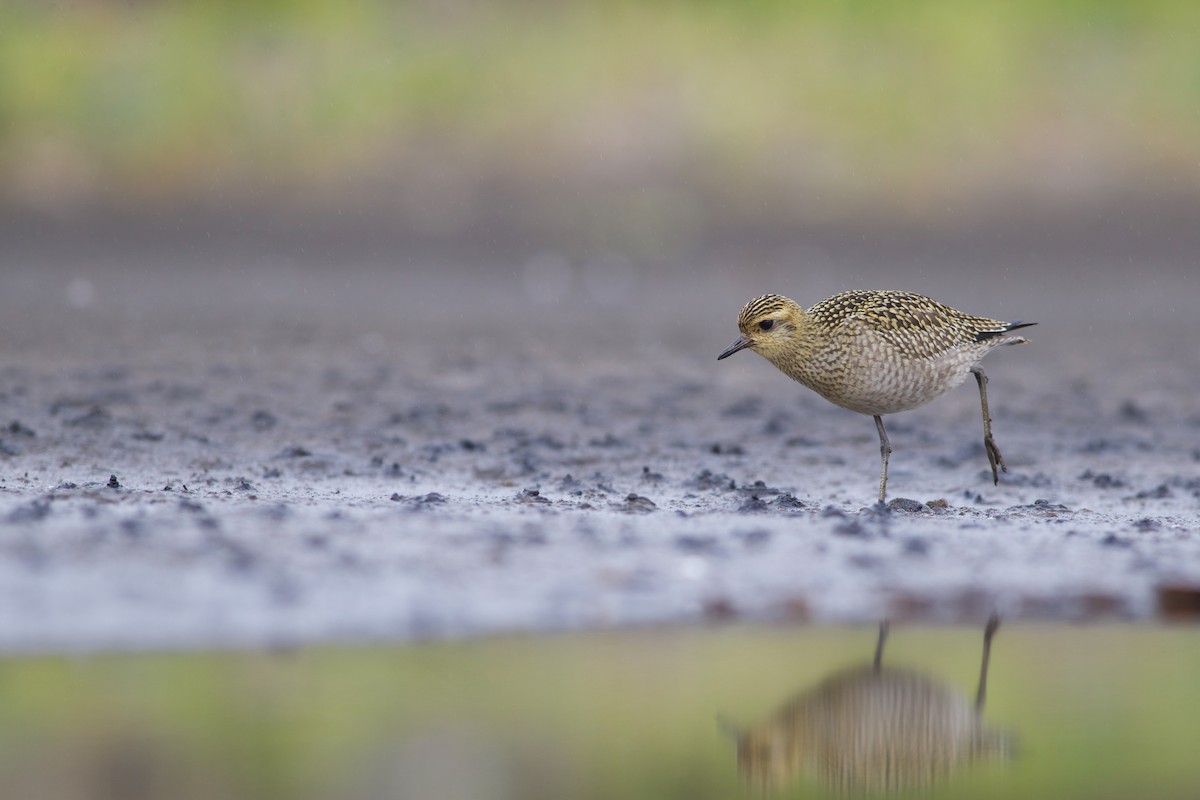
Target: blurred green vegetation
(1098, 712)
(678, 115)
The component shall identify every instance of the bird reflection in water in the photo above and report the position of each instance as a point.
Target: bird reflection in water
(873, 729)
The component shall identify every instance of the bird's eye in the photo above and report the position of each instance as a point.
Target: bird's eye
(766, 324)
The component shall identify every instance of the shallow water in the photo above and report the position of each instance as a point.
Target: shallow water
(1083, 712)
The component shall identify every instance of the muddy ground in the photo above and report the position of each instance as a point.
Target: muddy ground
(226, 442)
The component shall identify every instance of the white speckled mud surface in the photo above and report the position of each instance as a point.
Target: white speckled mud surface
(225, 445)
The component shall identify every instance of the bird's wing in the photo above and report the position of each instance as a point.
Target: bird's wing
(915, 324)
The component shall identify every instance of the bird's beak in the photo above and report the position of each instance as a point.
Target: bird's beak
(741, 343)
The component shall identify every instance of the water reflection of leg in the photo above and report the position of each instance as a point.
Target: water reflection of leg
(883, 633)
(981, 695)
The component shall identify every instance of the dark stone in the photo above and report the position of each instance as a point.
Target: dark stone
(758, 489)
(651, 477)
(528, 497)
(907, 505)
(636, 504)
(787, 501)
(752, 505)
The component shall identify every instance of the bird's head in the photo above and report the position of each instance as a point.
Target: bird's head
(768, 326)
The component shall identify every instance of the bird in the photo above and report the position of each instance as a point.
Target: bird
(877, 352)
(873, 729)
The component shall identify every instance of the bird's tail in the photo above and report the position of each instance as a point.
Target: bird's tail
(1004, 328)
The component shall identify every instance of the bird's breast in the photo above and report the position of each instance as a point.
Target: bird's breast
(879, 379)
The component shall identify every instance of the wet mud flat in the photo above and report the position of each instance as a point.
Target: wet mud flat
(267, 455)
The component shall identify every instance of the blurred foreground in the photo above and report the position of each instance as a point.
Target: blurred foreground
(1086, 712)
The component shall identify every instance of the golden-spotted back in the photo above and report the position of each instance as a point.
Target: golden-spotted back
(918, 326)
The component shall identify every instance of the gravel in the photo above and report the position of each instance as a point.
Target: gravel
(227, 449)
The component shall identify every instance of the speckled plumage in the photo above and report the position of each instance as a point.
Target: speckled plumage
(875, 352)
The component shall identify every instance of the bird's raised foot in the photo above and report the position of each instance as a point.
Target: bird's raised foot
(994, 458)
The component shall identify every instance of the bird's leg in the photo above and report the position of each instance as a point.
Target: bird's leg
(989, 444)
(885, 450)
(883, 634)
(988, 632)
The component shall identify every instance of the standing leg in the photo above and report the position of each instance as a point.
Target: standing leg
(989, 444)
(988, 632)
(885, 450)
(883, 634)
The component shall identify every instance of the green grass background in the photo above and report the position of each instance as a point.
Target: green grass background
(679, 115)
